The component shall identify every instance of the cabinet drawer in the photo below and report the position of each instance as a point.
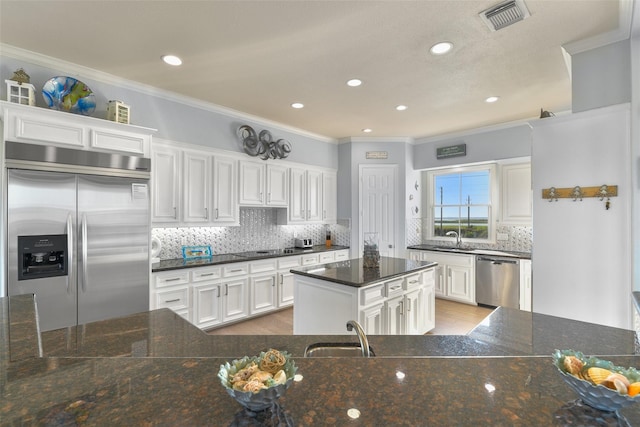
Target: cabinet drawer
(372, 294)
(341, 255)
(233, 270)
(413, 281)
(394, 287)
(179, 277)
(311, 259)
(326, 257)
(205, 273)
(289, 262)
(262, 266)
(176, 298)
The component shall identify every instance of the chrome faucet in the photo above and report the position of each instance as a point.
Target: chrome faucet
(457, 235)
(364, 342)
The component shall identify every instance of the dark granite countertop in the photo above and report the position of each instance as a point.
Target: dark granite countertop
(155, 368)
(178, 263)
(353, 273)
(470, 251)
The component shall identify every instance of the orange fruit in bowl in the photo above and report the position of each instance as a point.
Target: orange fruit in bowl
(634, 389)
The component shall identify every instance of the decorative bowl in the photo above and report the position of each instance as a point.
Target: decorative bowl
(69, 94)
(596, 396)
(264, 398)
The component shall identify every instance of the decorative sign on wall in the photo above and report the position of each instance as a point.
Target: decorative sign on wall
(262, 145)
(451, 151)
(378, 155)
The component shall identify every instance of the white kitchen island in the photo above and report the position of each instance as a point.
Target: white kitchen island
(397, 298)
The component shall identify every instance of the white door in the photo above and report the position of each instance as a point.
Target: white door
(378, 206)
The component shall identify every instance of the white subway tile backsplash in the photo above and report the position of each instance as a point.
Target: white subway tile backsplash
(519, 238)
(258, 230)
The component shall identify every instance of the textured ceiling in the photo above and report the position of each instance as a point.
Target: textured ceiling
(258, 57)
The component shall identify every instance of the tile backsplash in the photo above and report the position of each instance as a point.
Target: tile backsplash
(520, 238)
(258, 230)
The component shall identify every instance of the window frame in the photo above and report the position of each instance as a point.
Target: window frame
(493, 208)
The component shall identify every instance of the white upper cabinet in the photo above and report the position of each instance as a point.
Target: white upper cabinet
(516, 197)
(43, 126)
(225, 183)
(252, 178)
(196, 190)
(277, 186)
(263, 185)
(306, 197)
(193, 186)
(329, 197)
(166, 179)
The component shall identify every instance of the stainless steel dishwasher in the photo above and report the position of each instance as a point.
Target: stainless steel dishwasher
(498, 281)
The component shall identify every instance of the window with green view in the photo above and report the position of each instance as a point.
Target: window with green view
(461, 202)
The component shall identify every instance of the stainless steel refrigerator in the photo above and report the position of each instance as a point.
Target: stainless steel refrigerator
(78, 241)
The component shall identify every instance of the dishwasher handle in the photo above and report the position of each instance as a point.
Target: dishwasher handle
(498, 261)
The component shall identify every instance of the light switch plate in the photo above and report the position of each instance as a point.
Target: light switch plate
(503, 236)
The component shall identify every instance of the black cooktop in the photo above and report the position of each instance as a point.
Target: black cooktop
(265, 253)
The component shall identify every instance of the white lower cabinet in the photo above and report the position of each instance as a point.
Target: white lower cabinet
(372, 319)
(285, 279)
(399, 306)
(171, 290)
(207, 311)
(264, 294)
(211, 296)
(411, 313)
(455, 276)
(235, 301)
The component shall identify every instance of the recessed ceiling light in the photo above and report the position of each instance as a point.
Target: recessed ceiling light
(354, 82)
(172, 60)
(366, 130)
(492, 99)
(441, 48)
(401, 107)
(297, 105)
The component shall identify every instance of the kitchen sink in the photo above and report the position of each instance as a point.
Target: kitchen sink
(335, 349)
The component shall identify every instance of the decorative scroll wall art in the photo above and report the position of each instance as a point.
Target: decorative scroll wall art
(262, 145)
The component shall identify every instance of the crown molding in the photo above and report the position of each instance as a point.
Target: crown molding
(72, 69)
(623, 32)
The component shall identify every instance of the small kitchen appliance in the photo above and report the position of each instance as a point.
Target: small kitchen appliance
(303, 243)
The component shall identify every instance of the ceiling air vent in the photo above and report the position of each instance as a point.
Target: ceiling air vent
(504, 14)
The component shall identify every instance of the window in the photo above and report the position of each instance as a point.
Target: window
(460, 201)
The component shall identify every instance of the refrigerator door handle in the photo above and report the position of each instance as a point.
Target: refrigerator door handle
(84, 252)
(70, 255)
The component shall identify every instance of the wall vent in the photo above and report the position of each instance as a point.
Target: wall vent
(504, 14)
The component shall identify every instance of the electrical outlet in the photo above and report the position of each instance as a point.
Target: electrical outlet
(503, 236)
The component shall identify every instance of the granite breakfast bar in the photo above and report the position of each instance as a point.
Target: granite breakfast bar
(155, 368)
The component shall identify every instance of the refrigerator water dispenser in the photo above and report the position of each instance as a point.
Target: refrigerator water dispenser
(42, 256)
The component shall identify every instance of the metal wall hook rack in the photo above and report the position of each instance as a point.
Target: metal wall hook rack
(578, 193)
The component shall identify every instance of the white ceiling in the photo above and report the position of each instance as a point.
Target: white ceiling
(258, 57)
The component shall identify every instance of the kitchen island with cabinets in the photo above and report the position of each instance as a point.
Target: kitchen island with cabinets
(395, 298)
(155, 368)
